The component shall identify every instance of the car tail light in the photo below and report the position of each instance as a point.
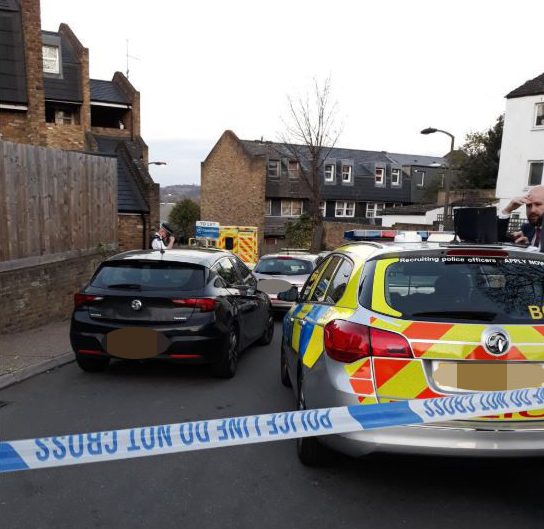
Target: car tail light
(83, 299)
(204, 304)
(347, 342)
(385, 343)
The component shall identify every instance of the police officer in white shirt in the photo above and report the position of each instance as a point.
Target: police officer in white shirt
(163, 239)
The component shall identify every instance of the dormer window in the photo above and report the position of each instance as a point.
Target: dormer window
(293, 168)
(51, 59)
(395, 177)
(379, 176)
(273, 168)
(539, 115)
(420, 178)
(329, 172)
(346, 174)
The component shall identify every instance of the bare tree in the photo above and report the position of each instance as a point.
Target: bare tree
(311, 132)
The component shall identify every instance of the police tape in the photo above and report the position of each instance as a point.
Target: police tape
(77, 449)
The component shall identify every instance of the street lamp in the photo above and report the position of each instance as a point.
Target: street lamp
(431, 130)
(156, 163)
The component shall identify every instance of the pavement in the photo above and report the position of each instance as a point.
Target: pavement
(28, 353)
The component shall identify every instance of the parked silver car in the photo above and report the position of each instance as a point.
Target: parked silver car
(293, 267)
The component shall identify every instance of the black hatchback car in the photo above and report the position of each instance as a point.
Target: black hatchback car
(197, 306)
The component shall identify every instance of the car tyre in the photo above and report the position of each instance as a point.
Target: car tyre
(225, 367)
(268, 334)
(284, 373)
(92, 364)
(310, 451)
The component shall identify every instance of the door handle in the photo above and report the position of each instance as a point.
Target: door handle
(303, 322)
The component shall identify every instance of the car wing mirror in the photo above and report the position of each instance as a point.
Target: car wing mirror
(289, 295)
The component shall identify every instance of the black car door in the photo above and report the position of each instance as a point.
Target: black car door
(244, 307)
(259, 302)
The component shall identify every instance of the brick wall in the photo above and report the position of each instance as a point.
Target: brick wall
(333, 232)
(29, 126)
(40, 294)
(131, 232)
(68, 137)
(233, 186)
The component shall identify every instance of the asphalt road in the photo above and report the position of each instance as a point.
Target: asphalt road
(244, 487)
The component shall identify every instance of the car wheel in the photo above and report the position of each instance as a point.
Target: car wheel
(284, 373)
(268, 334)
(225, 367)
(92, 364)
(310, 451)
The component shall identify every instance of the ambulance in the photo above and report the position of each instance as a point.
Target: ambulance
(240, 240)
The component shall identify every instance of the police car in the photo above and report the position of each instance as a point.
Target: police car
(379, 322)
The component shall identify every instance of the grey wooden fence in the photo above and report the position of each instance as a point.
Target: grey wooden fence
(54, 202)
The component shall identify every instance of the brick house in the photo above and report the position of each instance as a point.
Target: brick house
(258, 183)
(47, 98)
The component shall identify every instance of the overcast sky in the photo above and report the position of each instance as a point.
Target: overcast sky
(397, 66)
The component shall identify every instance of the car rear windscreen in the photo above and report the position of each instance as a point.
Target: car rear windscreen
(287, 266)
(149, 276)
(506, 290)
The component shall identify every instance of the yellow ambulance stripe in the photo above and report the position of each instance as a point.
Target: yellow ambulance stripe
(315, 347)
(379, 303)
(407, 383)
(368, 400)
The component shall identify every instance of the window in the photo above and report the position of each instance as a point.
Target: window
(535, 173)
(284, 266)
(539, 115)
(395, 177)
(292, 168)
(307, 288)
(64, 117)
(374, 209)
(346, 174)
(420, 178)
(497, 291)
(291, 208)
(268, 207)
(149, 276)
(344, 209)
(273, 168)
(51, 63)
(323, 208)
(329, 172)
(227, 271)
(324, 281)
(339, 282)
(379, 176)
(442, 176)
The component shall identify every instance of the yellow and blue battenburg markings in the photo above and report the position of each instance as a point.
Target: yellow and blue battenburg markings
(77, 449)
(306, 330)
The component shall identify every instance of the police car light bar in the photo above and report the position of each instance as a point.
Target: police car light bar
(369, 235)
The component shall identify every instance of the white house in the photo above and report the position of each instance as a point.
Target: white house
(522, 151)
